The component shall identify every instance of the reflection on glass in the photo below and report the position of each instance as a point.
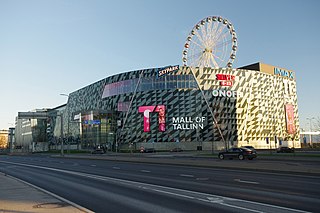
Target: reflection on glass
(97, 128)
(165, 83)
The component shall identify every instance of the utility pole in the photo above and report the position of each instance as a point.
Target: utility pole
(61, 133)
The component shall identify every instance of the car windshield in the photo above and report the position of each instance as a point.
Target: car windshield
(234, 150)
(248, 147)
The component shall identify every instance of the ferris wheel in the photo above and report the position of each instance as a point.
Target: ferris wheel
(211, 43)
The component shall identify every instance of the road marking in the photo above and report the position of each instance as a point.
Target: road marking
(202, 178)
(215, 200)
(242, 208)
(146, 171)
(115, 167)
(245, 181)
(93, 165)
(186, 175)
(171, 193)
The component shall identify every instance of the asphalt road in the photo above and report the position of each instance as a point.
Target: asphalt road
(111, 186)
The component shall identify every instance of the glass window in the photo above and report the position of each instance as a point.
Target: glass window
(175, 84)
(123, 106)
(193, 84)
(183, 77)
(162, 85)
(185, 84)
(171, 85)
(149, 83)
(156, 85)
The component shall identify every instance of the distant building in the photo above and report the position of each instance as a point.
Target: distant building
(162, 108)
(37, 134)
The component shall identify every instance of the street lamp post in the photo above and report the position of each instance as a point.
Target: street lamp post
(68, 114)
(115, 137)
(62, 128)
(61, 132)
(11, 136)
(62, 148)
(310, 136)
(116, 143)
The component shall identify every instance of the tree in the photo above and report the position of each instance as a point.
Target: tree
(3, 142)
(317, 124)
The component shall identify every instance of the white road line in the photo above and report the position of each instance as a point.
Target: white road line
(242, 208)
(245, 181)
(186, 175)
(171, 193)
(115, 167)
(204, 200)
(215, 200)
(202, 178)
(146, 171)
(93, 165)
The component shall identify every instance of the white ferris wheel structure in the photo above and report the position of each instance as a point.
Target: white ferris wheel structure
(212, 42)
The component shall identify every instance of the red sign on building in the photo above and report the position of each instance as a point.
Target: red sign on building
(226, 83)
(225, 80)
(225, 77)
(146, 110)
(291, 128)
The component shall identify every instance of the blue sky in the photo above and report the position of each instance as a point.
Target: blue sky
(53, 47)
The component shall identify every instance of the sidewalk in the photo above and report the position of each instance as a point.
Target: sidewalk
(16, 196)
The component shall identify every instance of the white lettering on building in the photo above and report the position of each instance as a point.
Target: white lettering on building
(187, 123)
(225, 93)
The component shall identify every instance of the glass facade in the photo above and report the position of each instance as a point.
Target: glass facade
(98, 129)
(247, 111)
(150, 83)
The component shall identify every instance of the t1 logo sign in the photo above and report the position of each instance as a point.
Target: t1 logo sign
(160, 109)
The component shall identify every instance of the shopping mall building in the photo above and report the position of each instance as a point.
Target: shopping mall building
(175, 106)
(179, 106)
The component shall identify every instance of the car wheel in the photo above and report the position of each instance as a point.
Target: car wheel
(241, 157)
(221, 156)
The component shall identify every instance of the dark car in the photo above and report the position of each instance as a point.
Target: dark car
(97, 151)
(147, 150)
(240, 153)
(285, 149)
(176, 150)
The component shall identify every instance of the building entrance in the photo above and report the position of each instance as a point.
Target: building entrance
(98, 129)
